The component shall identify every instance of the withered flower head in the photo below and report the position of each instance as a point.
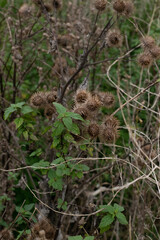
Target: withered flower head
(43, 229)
(57, 4)
(145, 60)
(111, 122)
(119, 6)
(93, 130)
(107, 99)
(100, 5)
(82, 111)
(148, 42)
(25, 10)
(93, 103)
(65, 40)
(49, 111)
(51, 96)
(60, 67)
(38, 99)
(114, 38)
(155, 52)
(48, 7)
(81, 96)
(108, 135)
(129, 8)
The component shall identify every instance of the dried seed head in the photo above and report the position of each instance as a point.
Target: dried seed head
(100, 5)
(43, 229)
(155, 52)
(148, 42)
(77, 138)
(111, 122)
(129, 8)
(82, 111)
(57, 4)
(49, 111)
(5, 234)
(48, 7)
(93, 130)
(145, 60)
(114, 38)
(107, 134)
(38, 99)
(107, 99)
(60, 67)
(146, 148)
(81, 96)
(119, 6)
(51, 96)
(37, 2)
(93, 103)
(64, 40)
(25, 10)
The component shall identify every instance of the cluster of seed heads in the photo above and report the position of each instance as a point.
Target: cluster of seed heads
(123, 7)
(150, 52)
(43, 230)
(88, 105)
(44, 100)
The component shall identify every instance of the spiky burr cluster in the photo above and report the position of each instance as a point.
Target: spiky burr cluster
(150, 53)
(44, 100)
(88, 105)
(42, 230)
(100, 5)
(123, 7)
(114, 38)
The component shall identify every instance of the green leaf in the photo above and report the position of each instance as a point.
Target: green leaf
(89, 238)
(55, 181)
(55, 142)
(68, 137)
(38, 152)
(68, 123)
(28, 207)
(83, 147)
(33, 137)
(26, 109)
(75, 129)
(79, 237)
(118, 208)
(107, 208)
(74, 116)
(18, 122)
(102, 230)
(25, 134)
(3, 3)
(19, 105)
(121, 218)
(57, 161)
(40, 164)
(59, 108)
(62, 204)
(59, 129)
(8, 112)
(79, 175)
(106, 220)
